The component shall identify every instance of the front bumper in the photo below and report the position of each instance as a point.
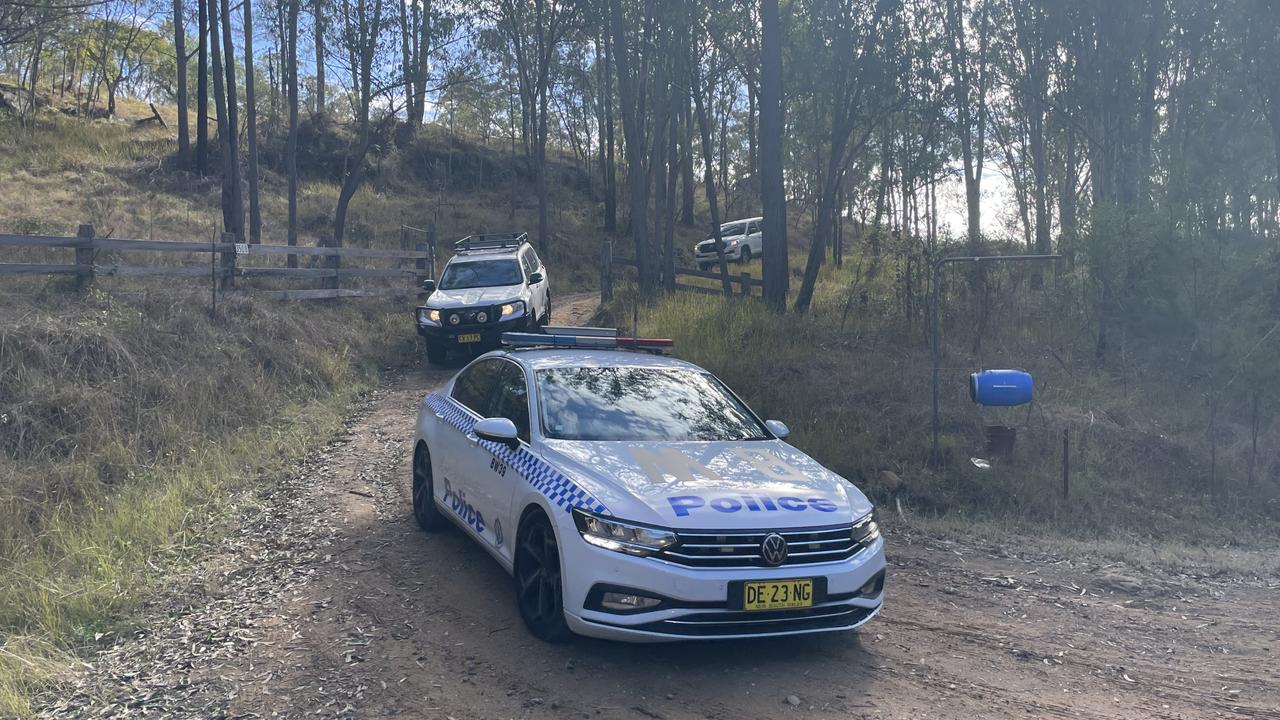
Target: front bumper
(696, 602)
(490, 333)
(732, 254)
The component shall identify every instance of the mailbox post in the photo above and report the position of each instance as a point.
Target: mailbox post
(935, 292)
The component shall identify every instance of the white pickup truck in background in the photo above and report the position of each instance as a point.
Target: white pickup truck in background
(742, 242)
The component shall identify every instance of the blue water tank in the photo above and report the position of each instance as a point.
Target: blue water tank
(1001, 388)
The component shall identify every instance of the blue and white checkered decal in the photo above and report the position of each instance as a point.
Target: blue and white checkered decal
(545, 479)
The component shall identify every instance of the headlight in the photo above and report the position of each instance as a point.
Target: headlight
(733, 243)
(866, 530)
(428, 316)
(512, 310)
(621, 536)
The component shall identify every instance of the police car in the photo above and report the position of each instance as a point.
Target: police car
(633, 496)
(493, 284)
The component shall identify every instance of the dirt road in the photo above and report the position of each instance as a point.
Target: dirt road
(331, 603)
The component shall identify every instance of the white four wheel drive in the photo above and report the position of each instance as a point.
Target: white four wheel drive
(635, 497)
(742, 242)
(493, 284)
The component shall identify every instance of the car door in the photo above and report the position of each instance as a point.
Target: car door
(463, 462)
(541, 289)
(754, 239)
(506, 465)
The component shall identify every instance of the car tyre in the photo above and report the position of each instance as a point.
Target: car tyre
(546, 313)
(745, 256)
(539, 591)
(424, 501)
(435, 353)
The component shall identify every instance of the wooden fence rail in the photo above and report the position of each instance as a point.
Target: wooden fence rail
(227, 261)
(743, 280)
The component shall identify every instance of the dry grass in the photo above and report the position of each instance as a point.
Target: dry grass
(126, 426)
(858, 399)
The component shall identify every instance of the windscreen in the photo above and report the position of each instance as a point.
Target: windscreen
(485, 273)
(731, 230)
(641, 404)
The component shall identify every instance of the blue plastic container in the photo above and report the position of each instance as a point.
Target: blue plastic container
(1001, 388)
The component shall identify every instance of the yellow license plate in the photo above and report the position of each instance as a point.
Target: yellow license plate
(469, 338)
(777, 595)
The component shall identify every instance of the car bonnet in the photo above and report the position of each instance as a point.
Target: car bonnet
(709, 485)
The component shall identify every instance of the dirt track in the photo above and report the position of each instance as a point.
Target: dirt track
(331, 603)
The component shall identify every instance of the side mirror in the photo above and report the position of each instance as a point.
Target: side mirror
(498, 429)
(429, 286)
(778, 428)
(535, 278)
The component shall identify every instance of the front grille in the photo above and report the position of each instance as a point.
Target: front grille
(741, 548)
(829, 617)
(471, 316)
(707, 246)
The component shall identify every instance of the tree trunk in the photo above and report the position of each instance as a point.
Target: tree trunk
(772, 190)
(219, 102)
(202, 89)
(709, 176)
(686, 165)
(633, 129)
(180, 53)
(291, 152)
(318, 12)
(232, 144)
(251, 124)
(610, 165)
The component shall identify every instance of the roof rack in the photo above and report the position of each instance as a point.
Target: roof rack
(491, 241)
(585, 337)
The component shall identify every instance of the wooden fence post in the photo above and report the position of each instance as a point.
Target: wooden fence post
(84, 257)
(431, 248)
(423, 272)
(228, 280)
(746, 284)
(606, 271)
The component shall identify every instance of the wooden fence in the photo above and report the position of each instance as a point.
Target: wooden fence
(609, 263)
(229, 262)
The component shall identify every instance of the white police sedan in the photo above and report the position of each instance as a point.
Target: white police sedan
(635, 497)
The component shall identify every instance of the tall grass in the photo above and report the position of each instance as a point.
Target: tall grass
(126, 428)
(859, 401)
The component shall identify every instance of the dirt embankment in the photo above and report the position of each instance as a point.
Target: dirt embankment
(330, 603)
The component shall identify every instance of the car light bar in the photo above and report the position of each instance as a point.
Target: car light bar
(585, 337)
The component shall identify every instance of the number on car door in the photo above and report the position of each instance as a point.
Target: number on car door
(463, 461)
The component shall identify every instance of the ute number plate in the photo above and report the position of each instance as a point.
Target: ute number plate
(469, 338)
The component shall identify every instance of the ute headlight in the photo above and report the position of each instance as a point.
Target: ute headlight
(620, 536)
(512, 310)
(428, 316)
(866, 530)
(733, 243)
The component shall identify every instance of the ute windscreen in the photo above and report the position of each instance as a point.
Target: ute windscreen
(488, 273)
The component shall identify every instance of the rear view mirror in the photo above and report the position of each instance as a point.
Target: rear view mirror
(778, 428)
(535, 278)
(429, 285)
(497, 429)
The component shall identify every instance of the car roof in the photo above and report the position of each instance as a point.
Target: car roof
(494, 254)
(540, 358)
(734, 222)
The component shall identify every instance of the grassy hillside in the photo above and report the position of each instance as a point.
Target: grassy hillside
(130, 420)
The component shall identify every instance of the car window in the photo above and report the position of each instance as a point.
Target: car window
(534, 262)
(512, 400)
(753, 228)
(475, 385)
(731, 230)
(530, 264)
(485, 273)
(641, 404)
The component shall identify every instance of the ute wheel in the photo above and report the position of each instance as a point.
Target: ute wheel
(745, 256)
(435, 353)
(424, 502)
(539, 593)
(546, 315)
